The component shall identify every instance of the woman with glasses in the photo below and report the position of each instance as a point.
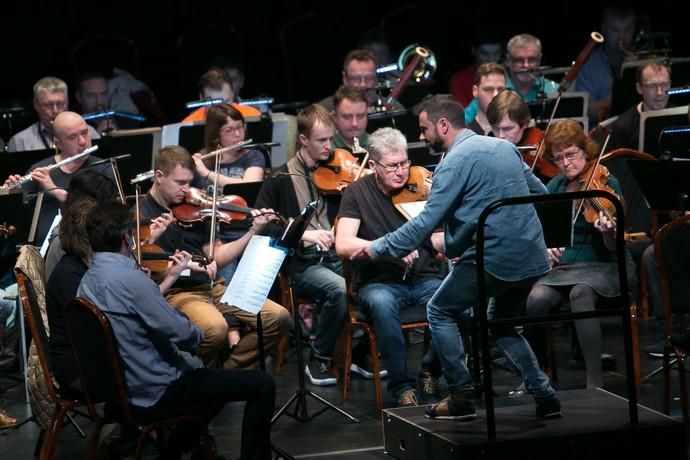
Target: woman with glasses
(587, 270)
(225, 126)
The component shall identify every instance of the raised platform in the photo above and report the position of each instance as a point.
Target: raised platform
(595, 425)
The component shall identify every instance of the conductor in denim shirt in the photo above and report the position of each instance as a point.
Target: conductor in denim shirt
(476, 171)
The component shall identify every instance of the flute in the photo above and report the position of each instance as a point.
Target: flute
(5, 189)
(226, 149)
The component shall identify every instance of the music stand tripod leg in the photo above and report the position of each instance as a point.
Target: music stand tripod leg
(299, 398)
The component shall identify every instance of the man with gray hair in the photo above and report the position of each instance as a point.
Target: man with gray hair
(50, 100)
(387, 285)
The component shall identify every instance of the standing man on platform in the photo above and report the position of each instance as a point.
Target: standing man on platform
(476, 171)
(50, 100)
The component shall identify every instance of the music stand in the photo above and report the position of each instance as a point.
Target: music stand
(290, 241)
(653, 123)
(247, 190)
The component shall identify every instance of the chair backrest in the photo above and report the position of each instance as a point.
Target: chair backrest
(672, 250)
(39, 335)
(95, 349)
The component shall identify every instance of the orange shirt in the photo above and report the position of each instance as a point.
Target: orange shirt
(200, 113)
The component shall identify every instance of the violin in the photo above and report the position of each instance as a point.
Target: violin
(417, 187)
(338, 172)
(155, 258)
(595, 177)
(534, 137)
(197, 206)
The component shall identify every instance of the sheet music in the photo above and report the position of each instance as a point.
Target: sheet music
(254, 276)
(411, 209)
(46, 242)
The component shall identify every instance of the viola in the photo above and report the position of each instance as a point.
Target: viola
(595, 177)
(197, 206)
(417, 187)
(155, 258)
(341, 169)
(534, 137)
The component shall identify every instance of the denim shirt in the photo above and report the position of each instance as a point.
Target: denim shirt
(477, 171)
(150, 333)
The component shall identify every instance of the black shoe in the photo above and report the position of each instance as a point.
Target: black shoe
(548, 407)
(451, 409)
(656, 350)
(363, 366)
(319, 373)
(681, 341)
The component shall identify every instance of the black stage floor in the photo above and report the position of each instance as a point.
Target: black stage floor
(332, 436)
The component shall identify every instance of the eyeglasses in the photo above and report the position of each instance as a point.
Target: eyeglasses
(392, 168)
(59, 105)
(232, 129)
(664, 85)
(367, 79)
(520, 60)
(570, 156)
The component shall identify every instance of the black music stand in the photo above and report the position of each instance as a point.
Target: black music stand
(290, 241)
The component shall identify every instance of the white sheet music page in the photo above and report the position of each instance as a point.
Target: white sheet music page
(254, 276)
(410, 209)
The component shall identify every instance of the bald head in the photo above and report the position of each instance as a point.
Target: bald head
(71, 133)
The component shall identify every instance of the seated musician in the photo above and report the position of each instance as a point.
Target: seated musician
(350, 118)
(192, 295)
(387, 285)
(71, 138)
(225, 126)
(154, 342)
(586, 271)
(509, 117)
(51, 98)
(216, 84)
(316, 267)
(489, 80)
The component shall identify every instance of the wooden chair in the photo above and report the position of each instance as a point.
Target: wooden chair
(102, 376)
(48, 439)
(411, 318)
(672, 250)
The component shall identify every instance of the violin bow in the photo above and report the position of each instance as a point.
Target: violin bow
(355, 149)
(137, 241)
(591, 176)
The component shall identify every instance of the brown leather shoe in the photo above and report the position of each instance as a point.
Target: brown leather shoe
(6, 421)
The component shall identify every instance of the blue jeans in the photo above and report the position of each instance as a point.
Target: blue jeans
(325, 284)
(228, 271)
(457, 293)
(383, 302)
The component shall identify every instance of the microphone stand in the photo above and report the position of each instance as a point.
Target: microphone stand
(289, 241)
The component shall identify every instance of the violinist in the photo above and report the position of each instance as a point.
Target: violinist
(225, 126)
(387, 285)
(350, 118)
(509, 117)
(192, 294)
(586, 271)
(318, 272)
(489, 80)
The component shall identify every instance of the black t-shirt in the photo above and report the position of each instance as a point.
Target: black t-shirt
(175, 237)
(61, 288)
(363, 200)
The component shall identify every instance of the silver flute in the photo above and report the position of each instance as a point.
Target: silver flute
(5, 189)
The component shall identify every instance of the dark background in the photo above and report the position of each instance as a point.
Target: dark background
(301, 61)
